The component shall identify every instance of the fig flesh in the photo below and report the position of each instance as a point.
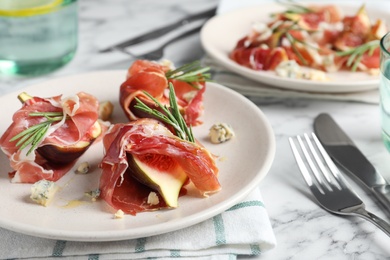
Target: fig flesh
(159, 172)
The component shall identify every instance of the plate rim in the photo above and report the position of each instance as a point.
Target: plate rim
(116, 235)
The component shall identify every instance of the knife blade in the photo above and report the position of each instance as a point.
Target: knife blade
(347, 155)
(163, 30)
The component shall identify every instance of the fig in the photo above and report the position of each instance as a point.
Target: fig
(65, 154)
(159, 172)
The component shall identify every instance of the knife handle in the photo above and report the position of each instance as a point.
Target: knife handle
(382, 193)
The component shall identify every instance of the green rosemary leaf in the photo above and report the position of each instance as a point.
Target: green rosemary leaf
(46, 114)
(294, 7)
(142, 106)
(25, 132)
(24, 138)
(170, 116)
(291, 39)
(190, 73)
(27, 142)
(176, 111)
(191, 134)
(352, 58)
(356, 63)
(38, 137)
(33, 135)
(357, 53)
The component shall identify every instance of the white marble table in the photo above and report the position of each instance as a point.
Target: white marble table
(303, 230)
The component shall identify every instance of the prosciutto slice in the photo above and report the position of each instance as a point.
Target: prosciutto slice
(150, 76)
(80, 113)
(147, 136)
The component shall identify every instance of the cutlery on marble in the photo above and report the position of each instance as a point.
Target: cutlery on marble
(162, 31)
(347, 155)
(154, 49)
(327, 184)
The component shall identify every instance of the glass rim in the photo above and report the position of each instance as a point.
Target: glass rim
(38, 10)
(382, 43)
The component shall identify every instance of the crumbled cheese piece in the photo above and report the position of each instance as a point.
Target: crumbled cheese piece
(289, 69)
(153, 199)
(93, 194)
(105, 110)
(285, 42)
(167, 63)
(264, 32)
(42, 192)
(373, 72)
(264, 46)
(83, 168)
(119, 214)
(328, 63)
(190, 95)
(220, 133)
(259, 27)
(339, 26)
(316, 75)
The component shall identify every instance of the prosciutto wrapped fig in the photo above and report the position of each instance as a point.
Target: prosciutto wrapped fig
(152, 77)
(148, 161)
(163, 157)
(48, 135)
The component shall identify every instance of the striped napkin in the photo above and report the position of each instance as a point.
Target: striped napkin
(244, 229)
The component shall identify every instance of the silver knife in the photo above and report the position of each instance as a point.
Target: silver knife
(161, 31)
(347, 155)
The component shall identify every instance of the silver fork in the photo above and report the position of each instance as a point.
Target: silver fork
(328, 186)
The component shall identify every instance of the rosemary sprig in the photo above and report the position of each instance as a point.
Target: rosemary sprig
(34, 134)
(170, 116)
(356, 54)
(293, 8)
(292, 41)
(190, 73)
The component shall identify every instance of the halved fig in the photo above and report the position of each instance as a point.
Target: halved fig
(377, 30)
(65, 154)
(159, 172)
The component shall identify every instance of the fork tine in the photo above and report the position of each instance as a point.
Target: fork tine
(313, 160)
(317, 158)
(340, 181)
(319, 162)
(301, 164)
(314, 168)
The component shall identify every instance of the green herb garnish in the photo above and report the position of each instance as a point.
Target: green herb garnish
(293, 8)
(170, 116)
(357, 53)
(34, 134)
(190, 73)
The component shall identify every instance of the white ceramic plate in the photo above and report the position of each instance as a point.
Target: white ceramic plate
(221, 33)
(245, 160)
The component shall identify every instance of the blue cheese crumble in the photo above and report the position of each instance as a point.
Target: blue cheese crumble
(291, 69)
(93, 194)
(42, 192)
(221, 132)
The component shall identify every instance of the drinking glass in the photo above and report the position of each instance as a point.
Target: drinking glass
(384, 88)
(36, 36)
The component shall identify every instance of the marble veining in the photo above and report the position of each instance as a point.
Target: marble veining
(303, 229)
